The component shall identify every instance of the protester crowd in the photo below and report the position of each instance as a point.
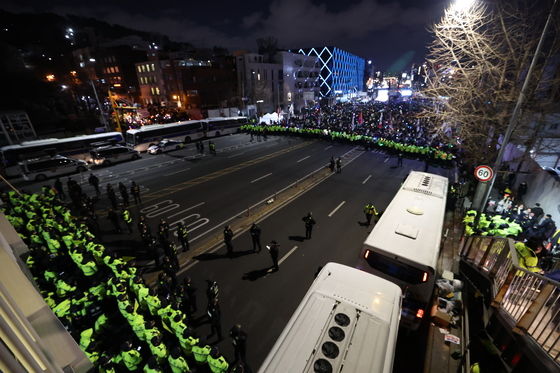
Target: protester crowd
(395, 127)
(120, 323)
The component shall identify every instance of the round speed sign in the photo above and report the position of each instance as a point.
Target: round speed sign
(483, 173)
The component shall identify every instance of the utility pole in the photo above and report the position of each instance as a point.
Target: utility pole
(515, 114)
(103, 119)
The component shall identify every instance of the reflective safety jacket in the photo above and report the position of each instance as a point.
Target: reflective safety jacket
(201, 354)
(131, 359)
(178, 365)
(219, 365)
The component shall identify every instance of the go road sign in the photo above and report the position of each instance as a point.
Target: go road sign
(483, 173)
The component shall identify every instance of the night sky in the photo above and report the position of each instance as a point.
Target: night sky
(390, 33)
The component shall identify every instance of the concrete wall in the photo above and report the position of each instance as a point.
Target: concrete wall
(34, 334)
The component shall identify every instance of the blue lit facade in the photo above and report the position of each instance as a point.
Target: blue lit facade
(341, 71)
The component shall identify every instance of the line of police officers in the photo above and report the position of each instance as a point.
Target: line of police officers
(102, 299)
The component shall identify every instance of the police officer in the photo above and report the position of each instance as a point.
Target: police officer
(212, 147)
(190, 290)
(112, 196)
(256, 237)
(169, 269)
(163, 230)
(217, 362)
(183, 236)
(400, 159)
(309, 223)
(135, 191)
(114, 218)
(130, 357)
(239, 341)
(228, 237)
(273, 247)
(59, 189)
(177, 362)
(212, 292)
(124, 193)
(338, 165)
(94, 182)
(370, 210)
(215, 316)
(332, 164)
(126, 217)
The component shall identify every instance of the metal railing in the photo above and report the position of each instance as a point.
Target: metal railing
(530, 300)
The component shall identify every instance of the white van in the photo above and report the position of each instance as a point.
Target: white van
(43, 168)
(108, 155)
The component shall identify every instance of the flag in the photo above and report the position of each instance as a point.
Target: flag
(360, 118)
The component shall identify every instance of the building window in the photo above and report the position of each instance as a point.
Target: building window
(157, 90)
(280, 74)
(152, 90)
(153, 67)
(117, 69)
(258, 76)
(143, 67)
(139, 69)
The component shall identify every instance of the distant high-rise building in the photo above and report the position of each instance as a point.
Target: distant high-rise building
(341, 72)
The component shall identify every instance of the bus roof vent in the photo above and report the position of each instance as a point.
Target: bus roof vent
(420, 182)
(332, 346)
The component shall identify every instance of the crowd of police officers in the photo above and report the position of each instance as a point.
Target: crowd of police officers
(121, 323)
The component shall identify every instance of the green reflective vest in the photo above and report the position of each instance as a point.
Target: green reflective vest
(201, 354)
(219, 365)
(86, 338)
(131, 359)
(178, 365)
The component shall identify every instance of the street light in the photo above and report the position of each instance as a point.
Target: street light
(462, 5)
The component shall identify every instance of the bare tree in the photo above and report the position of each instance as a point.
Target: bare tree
(478, 59)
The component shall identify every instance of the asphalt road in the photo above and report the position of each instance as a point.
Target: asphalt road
(206, 191)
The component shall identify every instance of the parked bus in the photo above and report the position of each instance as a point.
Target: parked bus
(347, 322)
(77, 147)
(404, 245)
(185, 131)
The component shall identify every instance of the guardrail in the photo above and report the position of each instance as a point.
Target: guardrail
(530, 300)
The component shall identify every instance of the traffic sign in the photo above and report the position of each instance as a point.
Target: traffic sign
(483, 173)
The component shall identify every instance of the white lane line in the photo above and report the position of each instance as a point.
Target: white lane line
(236, 155)
(287, 255)
(260, 178)
(386, 159)
(328, 147)
(336, 208)
(176, 172)
(303, 159)
(187, 209)
(367, 178)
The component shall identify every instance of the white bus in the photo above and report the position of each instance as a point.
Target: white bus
(77, 147)
(185, 131)
(347, 322)
(404, 245)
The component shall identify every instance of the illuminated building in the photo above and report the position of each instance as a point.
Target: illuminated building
(341, 72)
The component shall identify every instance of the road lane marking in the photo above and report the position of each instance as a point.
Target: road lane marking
(328, 147)
(176, 172)
(260, 178)
(386, 159)
(336, 208)
(303, 159)
(367, 178)
(287, 255)
(187, 209)
(236, 155)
